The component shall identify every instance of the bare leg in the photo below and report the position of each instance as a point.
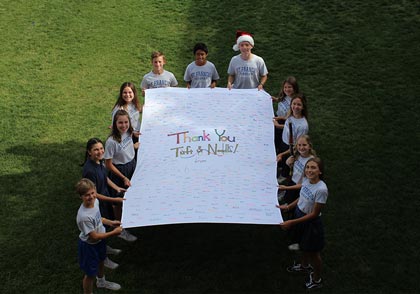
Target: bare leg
(88, 284)
(101, 269)
(316, 261)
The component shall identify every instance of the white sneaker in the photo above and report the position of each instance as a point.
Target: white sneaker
(110, 264)
(294, 247)
(113, 251)
(102, 283)
(127, 236)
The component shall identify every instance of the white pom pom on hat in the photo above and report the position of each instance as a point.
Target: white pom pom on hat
(242, 36)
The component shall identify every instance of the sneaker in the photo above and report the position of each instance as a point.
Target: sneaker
(312, 284)
(127, 236)
(113, 251)
(298, 268)
(294, 247)
(110, 264)
(102, 283)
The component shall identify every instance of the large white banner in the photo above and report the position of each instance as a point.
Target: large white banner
(206, 156)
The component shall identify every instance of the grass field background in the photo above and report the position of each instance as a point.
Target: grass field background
(358, 62)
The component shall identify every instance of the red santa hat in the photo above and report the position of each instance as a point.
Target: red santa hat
(242, 36)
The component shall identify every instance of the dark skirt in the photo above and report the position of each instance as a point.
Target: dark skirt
(309, 234)
(127, 170)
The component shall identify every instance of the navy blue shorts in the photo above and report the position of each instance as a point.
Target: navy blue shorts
(310, 234)
(90, 255)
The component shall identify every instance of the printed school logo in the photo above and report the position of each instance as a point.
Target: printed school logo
(200, 75)
(245, 71)
(126, 142)
(307, 193)
(160, 84)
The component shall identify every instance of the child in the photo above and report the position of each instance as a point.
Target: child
(289, 88)
(312, 198)
(304, 151)
(119, 158)
(201, 73)
(92, 245)
(298, 119)
(246, 70)
(94, 170)
(158, 77)
(128, 100)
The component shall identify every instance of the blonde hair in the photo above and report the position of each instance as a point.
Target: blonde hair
(309, 141)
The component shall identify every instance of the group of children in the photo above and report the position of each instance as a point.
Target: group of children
(302, 191)
(107, 171)
(106, 176)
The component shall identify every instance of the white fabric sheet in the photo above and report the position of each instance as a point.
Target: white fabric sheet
(206, 156)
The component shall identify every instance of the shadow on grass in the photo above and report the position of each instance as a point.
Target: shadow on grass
(207, 258)
(41, 206)
(38, 229)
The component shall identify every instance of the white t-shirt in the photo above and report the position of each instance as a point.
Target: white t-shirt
(299, 127)
(247, 72)
(163, 80)
(311, 194)
(133, 113)
(89, 220)
(284, 106)
(201, 76)
(120, 153)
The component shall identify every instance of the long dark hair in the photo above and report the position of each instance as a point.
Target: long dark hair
(120, 101)
(304, 104)
(114, 132)
(89, 144)
(293, 82)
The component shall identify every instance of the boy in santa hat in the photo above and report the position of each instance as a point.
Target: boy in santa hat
(246, 70)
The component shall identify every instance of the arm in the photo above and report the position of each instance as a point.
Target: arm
(281, 155)
(290, 160)
(111, 167)
(315, 212)
(276, 124)
(213, 84)
(280, 118)
(189, 85)
(262, 82)
(231, 78)
(288, 207)
(100, 236)
(114, 186)
(293, 187)
(109, 199)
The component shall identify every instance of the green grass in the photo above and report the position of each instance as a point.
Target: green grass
(62, 64)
